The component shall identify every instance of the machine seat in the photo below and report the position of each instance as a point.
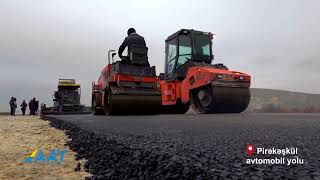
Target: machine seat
(138, 55)
(133, 70)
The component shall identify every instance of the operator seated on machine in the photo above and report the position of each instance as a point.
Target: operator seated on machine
(132, 40)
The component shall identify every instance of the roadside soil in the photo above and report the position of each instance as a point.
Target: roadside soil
(20, 136)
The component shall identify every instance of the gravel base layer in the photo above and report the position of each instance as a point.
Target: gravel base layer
(192, 146)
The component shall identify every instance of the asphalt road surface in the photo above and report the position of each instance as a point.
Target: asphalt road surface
(196, 146)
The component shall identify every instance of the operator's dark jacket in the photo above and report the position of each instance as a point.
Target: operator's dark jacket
(132, 39)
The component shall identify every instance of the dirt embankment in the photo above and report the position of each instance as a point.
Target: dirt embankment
(24, 137)
(278, 101)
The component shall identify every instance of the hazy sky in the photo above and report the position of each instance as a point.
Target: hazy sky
(277, 42)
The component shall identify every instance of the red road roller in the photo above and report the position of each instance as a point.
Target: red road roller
(189, 79)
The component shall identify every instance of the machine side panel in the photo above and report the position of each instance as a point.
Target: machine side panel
(202, 76)
(170, 92)
(196, 77)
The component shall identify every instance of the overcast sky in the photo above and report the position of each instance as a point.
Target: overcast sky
(277, 42)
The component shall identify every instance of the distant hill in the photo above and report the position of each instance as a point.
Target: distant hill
(4, 113)
(269, 100)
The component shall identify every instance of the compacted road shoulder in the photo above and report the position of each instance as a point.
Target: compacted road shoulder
(195, 146)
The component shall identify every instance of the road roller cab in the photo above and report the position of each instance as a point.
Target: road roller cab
(190, 79)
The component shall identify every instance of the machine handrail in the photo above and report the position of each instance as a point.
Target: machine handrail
(109, 55)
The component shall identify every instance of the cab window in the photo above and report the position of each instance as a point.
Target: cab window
(171, 55)
(185, 51)
(202, 46)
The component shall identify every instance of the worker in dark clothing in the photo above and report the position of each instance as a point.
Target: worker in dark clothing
(13, 106)
(32, 106)
(132, 39)
(36, 106)
(23, 107)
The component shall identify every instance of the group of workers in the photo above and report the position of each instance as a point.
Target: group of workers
(33, 106)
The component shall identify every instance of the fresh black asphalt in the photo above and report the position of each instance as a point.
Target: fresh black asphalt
(192, 146)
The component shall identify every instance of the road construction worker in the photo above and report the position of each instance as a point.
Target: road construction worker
(132, 39)
(13, 106)
(32, 106)
(23, 107)
(36, 107)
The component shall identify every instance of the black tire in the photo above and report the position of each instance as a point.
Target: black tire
(95, 111)
(196, 104)
(219, 100)
(108, 103)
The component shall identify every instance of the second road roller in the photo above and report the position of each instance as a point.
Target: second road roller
(131, 86)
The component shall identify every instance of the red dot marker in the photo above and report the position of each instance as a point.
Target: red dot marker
(250, 149)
